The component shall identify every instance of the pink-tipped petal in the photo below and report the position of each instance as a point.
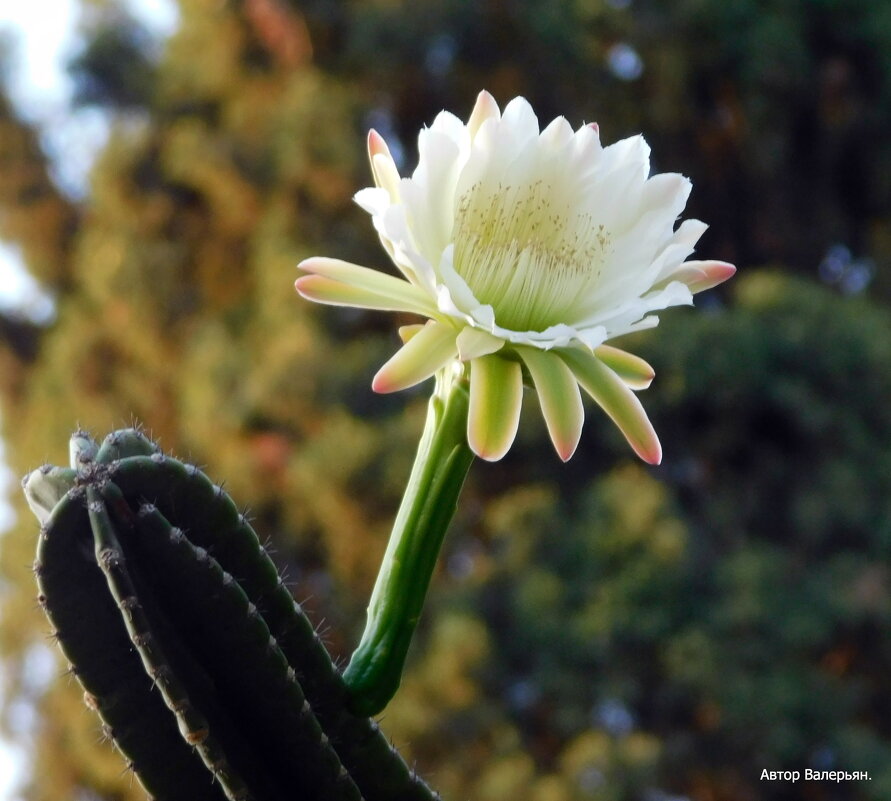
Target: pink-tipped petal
(633, 370)
(377, 145)
(702, 275)
(427, 351)
(559, 398)
(484, 109)
(496, 396)
(383, 168)
(617, 400)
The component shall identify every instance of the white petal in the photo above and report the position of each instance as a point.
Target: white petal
(450, 125)
(632, 151)
(592, 337)
(429, 195)
(678, 247)
(557, 136)
(374, 199)
(458, 297)
(520, 119)
(394, 228)
(555, 336)
(667, 192)
(485, 108)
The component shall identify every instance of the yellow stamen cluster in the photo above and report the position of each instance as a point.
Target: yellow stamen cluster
(527, 251)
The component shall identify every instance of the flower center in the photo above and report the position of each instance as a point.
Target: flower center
(527, 251)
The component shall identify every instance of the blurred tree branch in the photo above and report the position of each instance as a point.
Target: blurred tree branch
(34, 215)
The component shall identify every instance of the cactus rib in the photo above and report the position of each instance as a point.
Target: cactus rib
(73, 594)
(151, 641)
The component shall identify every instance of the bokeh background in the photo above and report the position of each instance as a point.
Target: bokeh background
(600, 631)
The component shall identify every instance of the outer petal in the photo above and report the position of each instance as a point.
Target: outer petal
(632, 153)
(496, 394)
(619, 402)
(633, 370)
(519, 119)
(474, 342)
(419, 358)
(406, 332)
(677, 248)
(373, 199)
(558, 395)
(429, 195)
(484, 109)
(383, 167)
(333, 293)
(459, 299)
(701, 275)
(628, 316)
(666, 192)
(557, 136)
(342, 283)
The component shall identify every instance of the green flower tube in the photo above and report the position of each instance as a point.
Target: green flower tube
(441, 464)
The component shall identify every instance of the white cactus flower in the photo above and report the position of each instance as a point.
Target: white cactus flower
(527, 251)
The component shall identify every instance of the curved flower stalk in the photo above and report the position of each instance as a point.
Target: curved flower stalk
(526, 251)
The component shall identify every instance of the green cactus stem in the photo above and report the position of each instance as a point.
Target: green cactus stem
(209, 677)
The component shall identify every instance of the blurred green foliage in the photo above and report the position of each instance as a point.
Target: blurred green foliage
(598, 631)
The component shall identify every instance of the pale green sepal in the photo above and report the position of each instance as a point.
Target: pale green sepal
(474, 342)
(617, 400)
(320, 289)
(343, 283)
(427, 351)
(634, 371)
(496, 394)
(559, 398)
